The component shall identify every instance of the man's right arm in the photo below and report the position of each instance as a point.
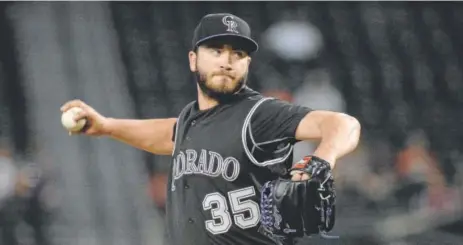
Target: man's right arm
(152, 135)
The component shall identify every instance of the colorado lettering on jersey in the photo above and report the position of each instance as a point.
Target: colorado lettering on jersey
(207, 163)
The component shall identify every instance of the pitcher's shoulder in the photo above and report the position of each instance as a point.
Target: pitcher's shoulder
(252, 95)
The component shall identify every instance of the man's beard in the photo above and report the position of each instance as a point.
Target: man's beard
(218, 95)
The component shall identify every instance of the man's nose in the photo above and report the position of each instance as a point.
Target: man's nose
(226, 66)
(226, 61)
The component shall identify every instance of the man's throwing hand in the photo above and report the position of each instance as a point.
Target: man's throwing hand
(96, 125)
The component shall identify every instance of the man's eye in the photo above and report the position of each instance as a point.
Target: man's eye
(240, 54)
(216, 51)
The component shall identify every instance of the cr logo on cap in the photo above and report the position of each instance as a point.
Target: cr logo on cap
(230, 23)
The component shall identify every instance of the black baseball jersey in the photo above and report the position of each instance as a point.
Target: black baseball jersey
(222, 156)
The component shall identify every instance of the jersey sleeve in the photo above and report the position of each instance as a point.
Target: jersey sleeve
(276, 121)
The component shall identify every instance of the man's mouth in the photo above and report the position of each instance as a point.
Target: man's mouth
(225, 75)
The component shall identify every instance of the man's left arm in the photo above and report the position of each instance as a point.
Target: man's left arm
(338, 133)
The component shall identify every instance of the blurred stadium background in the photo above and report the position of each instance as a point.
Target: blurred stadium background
(396, 66)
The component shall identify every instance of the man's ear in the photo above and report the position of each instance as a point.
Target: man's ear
(249, 60)
(192, 56)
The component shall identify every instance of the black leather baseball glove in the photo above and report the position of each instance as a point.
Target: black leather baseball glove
(291, 209)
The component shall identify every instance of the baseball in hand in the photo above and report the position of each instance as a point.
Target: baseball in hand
(67, 119)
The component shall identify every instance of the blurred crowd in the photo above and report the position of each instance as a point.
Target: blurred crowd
(395, 66)
(27, 200)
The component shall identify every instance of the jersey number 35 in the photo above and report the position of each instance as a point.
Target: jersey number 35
(222, 219)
